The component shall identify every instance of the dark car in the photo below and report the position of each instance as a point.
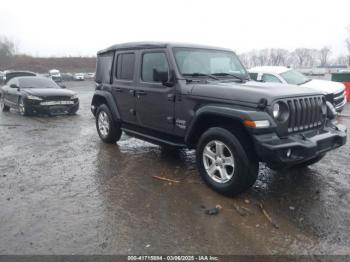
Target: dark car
(31, 94)
(200, 97)
(9, 74)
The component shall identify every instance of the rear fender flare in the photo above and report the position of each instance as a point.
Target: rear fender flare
(108, 97)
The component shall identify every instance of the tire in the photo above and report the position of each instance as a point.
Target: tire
(23, 110)
(310, 162)
(235, 169)
(4, 108)
(106, 126)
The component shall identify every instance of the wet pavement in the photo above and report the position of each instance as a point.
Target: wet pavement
(62, 191)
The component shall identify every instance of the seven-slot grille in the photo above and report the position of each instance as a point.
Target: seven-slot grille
(305, 113)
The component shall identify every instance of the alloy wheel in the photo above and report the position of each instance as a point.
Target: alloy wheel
(21, 107)
(218, 161)
(2, 104)
(103, 123)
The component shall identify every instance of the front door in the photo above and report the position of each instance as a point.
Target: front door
(12, 94)
(123, 87)
(154, 102)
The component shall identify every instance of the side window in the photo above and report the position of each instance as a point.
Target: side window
(254, 76)
(151, 61)
(270, 78)
(103, 67)
(125, 66)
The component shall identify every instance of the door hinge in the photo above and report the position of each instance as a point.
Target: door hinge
(171, 97)
(170, 120)
(132, 111)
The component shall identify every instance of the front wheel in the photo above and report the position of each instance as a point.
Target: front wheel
(22, 108)
(4, 108)
(106, 126)
(224, 164)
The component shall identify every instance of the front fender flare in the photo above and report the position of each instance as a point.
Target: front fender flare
(239, 114)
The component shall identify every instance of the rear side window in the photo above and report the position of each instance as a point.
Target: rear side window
(254, 76)
(151, 61)
(104, 67)
(270, 78)
(125, 66)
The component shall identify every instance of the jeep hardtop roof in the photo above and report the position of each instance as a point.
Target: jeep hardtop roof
(153, 45)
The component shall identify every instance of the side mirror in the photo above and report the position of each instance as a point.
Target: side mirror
(63, 86)
(164, 77)
(14, 86)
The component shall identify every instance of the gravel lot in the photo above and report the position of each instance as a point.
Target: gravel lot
(62, 191)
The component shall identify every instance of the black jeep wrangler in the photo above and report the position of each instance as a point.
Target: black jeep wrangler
(200, 97)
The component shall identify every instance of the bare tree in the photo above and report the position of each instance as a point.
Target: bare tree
(7, 50)
(324, 55)
(302, 55)
(263, 57)
(347, 42)
(341, 60)
(306, 57)
(278, 56)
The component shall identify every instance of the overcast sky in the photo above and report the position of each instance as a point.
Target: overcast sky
(77, 27)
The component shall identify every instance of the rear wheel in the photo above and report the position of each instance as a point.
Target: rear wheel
(106, 126)
(223, 162)
(22, 108)
(3, 107)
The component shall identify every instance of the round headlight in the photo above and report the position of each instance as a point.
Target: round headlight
(276, 110)
(280, 111)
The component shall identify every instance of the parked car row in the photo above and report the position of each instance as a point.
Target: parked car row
(54, 74)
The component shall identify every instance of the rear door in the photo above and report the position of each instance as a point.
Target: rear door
(154, 102)
(123, 87)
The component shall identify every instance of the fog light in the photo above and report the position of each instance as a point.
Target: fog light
(289, 153)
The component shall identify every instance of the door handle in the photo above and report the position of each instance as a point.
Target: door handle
(118, 89)
(171, 97)
(141, 93)
(132, 92)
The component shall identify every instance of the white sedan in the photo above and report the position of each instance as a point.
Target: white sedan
(334, 91)
(79, 77)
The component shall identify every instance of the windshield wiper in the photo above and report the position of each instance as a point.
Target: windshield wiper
(308, 80)
(202, 74)
(228, 74)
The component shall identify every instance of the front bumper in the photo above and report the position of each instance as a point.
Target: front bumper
(34, 107)
(303, 146)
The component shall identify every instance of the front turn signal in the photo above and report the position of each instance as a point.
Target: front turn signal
(256, 124)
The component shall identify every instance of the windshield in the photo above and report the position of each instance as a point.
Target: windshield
(206, 62)
(294, 77)
(37, 82)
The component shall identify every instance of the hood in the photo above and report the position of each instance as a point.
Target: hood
(251, 91)
(47, 92)
(325, 86)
